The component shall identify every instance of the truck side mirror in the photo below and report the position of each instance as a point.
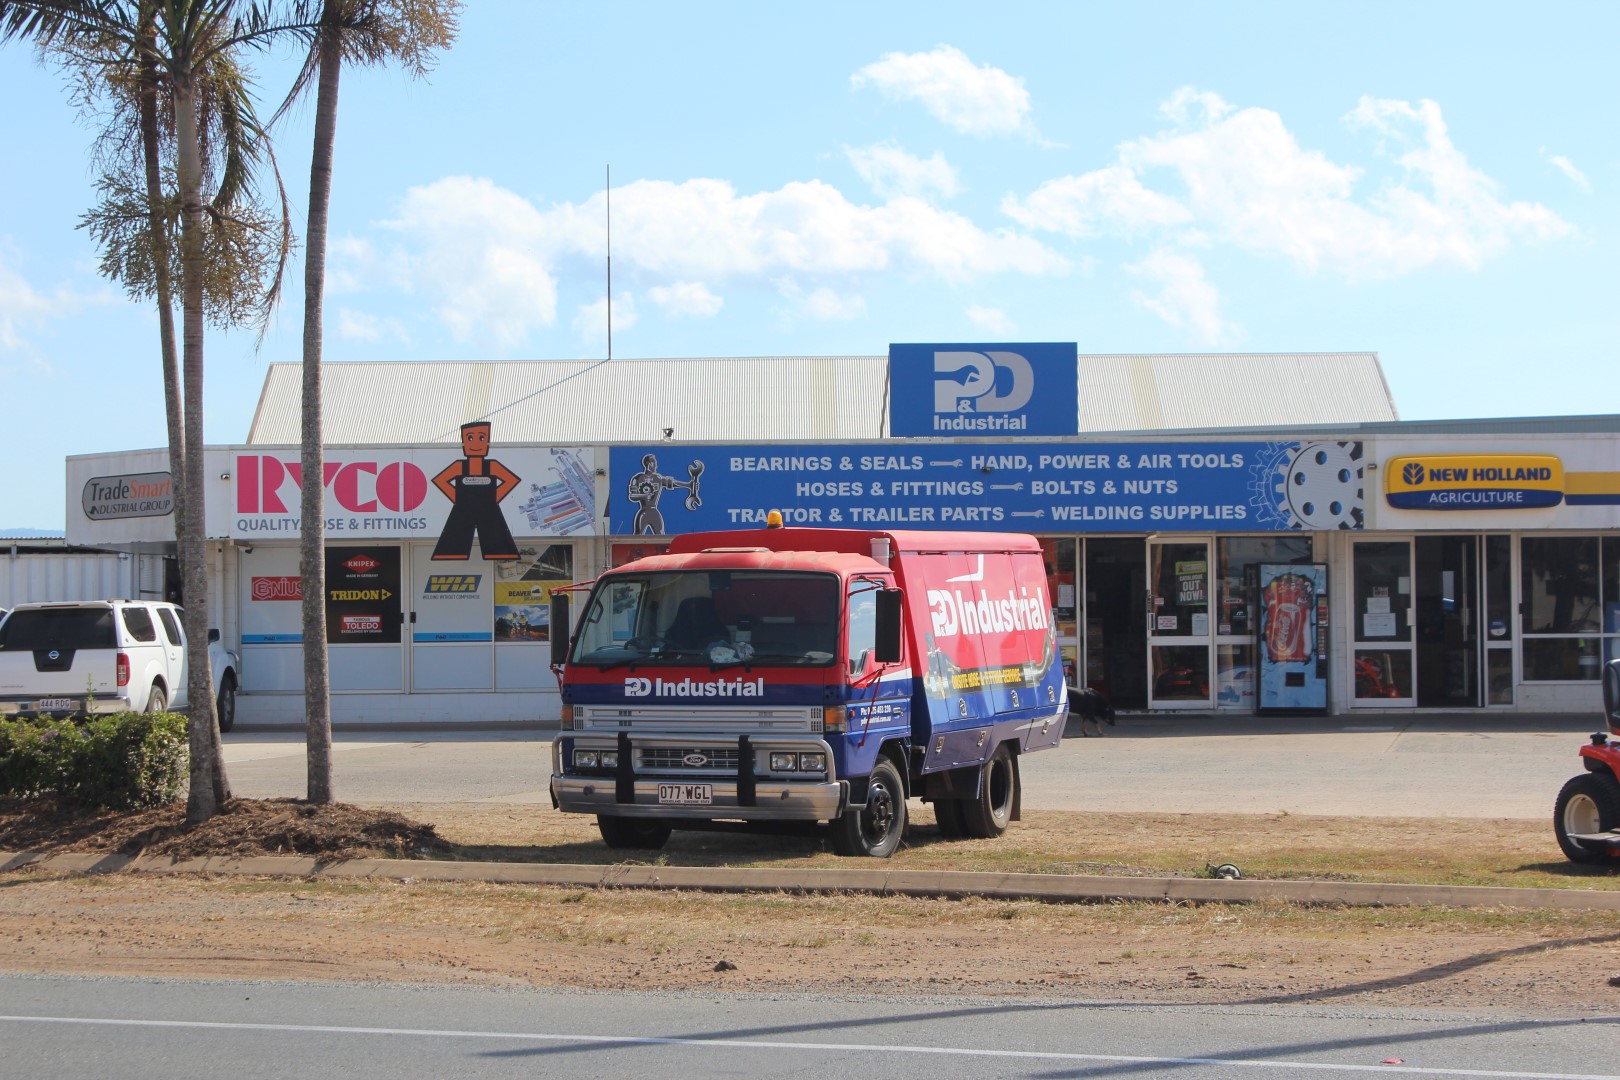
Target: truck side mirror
(558, 629)
(887, 646)
(213, 635)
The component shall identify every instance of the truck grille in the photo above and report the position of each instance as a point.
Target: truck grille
(674, 759)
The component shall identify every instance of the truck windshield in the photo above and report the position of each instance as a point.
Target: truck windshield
(711, 617)
(60, 628)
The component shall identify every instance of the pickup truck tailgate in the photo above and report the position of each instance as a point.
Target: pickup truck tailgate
(58, 654)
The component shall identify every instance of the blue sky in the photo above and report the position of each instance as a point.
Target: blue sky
(1435, 182)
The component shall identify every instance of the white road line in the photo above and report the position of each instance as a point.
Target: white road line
(751, 1044)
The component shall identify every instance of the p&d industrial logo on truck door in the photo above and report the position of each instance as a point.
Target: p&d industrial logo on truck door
(1474, 482)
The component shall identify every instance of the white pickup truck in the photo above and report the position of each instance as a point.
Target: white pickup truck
(103, 656)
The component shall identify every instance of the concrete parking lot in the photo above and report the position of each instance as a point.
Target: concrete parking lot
(1381, 765)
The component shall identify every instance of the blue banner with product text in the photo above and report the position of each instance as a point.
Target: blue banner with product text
(1013, 487)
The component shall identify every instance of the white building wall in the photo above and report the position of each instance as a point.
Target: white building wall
(27, 578)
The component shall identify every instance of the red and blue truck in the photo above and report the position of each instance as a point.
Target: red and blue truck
(801, 675)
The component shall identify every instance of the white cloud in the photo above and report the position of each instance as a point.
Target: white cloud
(476, 250)
(25, 310)
(821, 303)
(992, 319)
(686, 298)
(591, 321)
(1250, 184)
(486, 261)
(703, 229)
(1186, 299)
(1106, 201)
(890, 171)
(1246, 182)
(1568, 168)
(355, 325)
(974, 100)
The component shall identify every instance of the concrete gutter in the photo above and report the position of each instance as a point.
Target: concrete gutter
(1054, 888)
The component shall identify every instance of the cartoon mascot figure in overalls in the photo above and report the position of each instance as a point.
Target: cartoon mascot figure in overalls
(475, 486)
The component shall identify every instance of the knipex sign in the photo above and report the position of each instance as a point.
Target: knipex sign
(374, 494)
(940, 390)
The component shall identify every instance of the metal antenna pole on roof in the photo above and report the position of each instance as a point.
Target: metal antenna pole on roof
(609, 196)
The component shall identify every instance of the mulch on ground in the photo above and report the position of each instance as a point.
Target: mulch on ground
(243, 828)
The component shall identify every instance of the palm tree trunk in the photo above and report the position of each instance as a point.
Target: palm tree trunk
(312, 561)
(207, 773)
(164, 285)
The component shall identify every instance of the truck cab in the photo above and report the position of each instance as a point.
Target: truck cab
(798, 675)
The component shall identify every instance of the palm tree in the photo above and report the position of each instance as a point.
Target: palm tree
(347, 31)
(176, 41)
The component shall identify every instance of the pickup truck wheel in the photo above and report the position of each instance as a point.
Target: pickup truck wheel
(1589, 803)
(157, 700)
(876, 829)
(948, 814)
(632, 833)
(227, 704)
(988, 815)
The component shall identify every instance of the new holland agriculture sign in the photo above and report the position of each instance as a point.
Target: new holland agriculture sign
(1474, 482)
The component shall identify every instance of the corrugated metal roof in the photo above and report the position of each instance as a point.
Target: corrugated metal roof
(836, 398)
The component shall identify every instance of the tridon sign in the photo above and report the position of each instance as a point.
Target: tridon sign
(955, 389)
(1474, 482)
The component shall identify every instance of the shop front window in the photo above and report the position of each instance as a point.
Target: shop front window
(1570, 602)
(1238, 560)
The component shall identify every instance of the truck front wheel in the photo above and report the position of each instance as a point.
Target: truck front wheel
(227, 704)
(877, 828)
(988, 815)
(633, 833)
(1589, 803)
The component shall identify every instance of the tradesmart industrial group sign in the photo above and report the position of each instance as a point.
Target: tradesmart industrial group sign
(948, 390)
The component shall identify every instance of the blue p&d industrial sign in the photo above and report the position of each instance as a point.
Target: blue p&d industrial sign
(997, 390)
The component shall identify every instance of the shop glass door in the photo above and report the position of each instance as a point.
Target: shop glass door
(452, 622)
(1381, 615)
(1180, 634)
(364, 616)
(1447, 622)
(1115, 626)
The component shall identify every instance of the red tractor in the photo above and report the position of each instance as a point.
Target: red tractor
(1586, 817)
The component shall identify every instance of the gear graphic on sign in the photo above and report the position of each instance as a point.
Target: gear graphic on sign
(1315, 486)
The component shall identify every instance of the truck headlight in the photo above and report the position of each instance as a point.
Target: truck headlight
(813, 763)
(784, 763)
(586, 759)
(610, 759)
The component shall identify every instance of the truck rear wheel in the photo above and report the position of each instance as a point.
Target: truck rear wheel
(632, 833)
(157, 701)
(988, 815)
(948, 815)
(877, 828)
(1589, 803)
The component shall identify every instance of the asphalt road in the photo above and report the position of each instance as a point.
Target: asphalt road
(56, 1027)
(1478, 766)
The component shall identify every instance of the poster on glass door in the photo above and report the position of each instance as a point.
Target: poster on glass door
(1292, 649)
